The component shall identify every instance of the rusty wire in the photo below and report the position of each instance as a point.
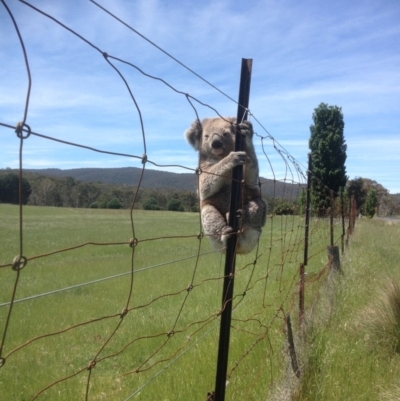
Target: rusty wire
(284, 234)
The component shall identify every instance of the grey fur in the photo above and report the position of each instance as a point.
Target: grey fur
(214, 139)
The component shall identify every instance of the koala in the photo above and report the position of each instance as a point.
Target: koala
(214, 139)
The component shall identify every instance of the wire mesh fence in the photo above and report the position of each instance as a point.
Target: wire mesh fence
(126, 304)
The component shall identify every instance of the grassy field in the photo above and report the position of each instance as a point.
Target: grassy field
(68, 305)
(352, 350)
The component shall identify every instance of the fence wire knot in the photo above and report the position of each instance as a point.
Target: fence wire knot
(170, 333)
(144, 159)
(19, 263)
(105, 55)
(123, 313)
(200, 235)
(2, 361)
(198, 171)
(133, 242)
(19, 129)
(92, 364)
(189, 288)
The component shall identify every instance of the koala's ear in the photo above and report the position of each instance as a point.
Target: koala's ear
(193, 134)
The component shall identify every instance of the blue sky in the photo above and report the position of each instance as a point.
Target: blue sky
(304, 53)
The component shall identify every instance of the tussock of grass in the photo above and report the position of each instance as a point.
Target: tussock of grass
(392, 394)
(380, 320)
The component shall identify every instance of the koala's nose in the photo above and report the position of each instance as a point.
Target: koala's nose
(216, 142)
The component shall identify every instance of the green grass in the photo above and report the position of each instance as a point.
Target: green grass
(140, 359)
(352, 350)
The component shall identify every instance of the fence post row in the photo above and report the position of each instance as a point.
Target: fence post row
(230, 259)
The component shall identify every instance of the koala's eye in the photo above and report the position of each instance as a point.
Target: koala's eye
(206, 136)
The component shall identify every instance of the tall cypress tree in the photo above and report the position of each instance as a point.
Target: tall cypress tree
(328, 151)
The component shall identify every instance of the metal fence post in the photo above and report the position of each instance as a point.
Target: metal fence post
(230, 259)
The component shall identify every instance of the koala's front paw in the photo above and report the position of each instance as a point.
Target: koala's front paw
(237, 158)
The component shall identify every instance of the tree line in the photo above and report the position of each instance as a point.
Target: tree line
(41, 190)
(371, 197)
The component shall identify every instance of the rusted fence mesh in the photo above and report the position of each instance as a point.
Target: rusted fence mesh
(136, 316)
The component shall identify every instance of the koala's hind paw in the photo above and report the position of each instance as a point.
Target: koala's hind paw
(246, 128)
(226, 233)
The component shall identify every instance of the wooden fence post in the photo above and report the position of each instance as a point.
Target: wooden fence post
(307, 227)
(292, 349)
(334, 258)
(331, 216)
(333, 250)
(343, 223)
(301, 294)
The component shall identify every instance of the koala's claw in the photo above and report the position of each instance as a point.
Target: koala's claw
(226, 233)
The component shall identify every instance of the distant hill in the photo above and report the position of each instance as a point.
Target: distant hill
(126, 176)
(158, 179)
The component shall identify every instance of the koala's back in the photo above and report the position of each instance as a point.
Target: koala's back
(220, 200)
